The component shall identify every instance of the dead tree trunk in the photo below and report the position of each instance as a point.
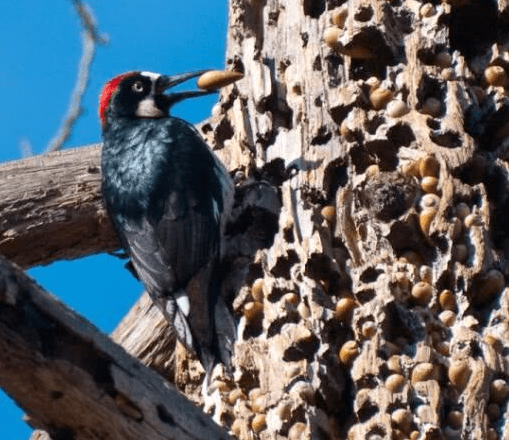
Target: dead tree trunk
(367, 256)
(380, 310)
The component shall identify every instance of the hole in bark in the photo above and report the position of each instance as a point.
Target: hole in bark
(370, 275)
(492, 130)
(473, 27)
(322, 137)
(224, 131)
(275, 327)
(433, 124)
(385, 152)
(236, 63)
(365, 295)
(334, 63)
(276, 293)
(367, 381)
(339, 113)
(388, 198)
(253, 328)
(447, 139)
(288, 235)
(402, 322)
(367, 410)
(474, 172)
(335, 176)
(255, 271)
(403, 237)
(317, 63)
(56, 395)
(304, 36)
(401, 135)
(375, 122)
(274, 172)
(428, 55)
(314, 8)
(375, 433)
(273, 18)
(430, 88)
(497, 186)
(284, 264)
(364, 14)
(303, 349)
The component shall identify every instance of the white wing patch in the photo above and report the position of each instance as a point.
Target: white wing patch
(176, 317)
(183, 303)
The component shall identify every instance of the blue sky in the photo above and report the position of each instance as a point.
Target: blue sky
(40, 47)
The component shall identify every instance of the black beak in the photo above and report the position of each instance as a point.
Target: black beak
(166, 82)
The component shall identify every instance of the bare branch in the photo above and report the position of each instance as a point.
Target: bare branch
(51, 208)
(71, 378)
(90, 37)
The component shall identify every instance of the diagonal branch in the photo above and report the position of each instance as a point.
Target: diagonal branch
(74, 382)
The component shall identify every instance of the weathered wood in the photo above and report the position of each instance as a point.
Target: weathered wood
(51, 208)
(74, 382)
(386, 123)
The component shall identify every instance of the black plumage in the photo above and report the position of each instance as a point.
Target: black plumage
(168, 196)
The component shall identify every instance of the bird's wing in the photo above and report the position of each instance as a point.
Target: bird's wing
(175, 245)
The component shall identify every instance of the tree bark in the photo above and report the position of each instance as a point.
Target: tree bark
(51, 208)
(367, 255)
(75, 382)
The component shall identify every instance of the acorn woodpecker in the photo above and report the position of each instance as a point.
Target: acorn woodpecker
(168, 197)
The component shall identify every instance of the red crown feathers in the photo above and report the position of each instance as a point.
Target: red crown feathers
(107, 92)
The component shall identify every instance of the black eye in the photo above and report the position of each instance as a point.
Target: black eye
(138, 87)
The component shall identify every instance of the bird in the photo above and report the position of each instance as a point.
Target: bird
(168, 197)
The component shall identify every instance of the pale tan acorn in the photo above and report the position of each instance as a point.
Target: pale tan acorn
(395, 382)
(426, 218)
(499, 390)
(429, 166)
(331, 36)
(496, 76)
(447, 300)
(297, 431)
(344, 309)
(215, 79)
(427, 10)
(258, 289)
(258, 423)
(339, 16)
(429, 184)
(397, 108)
(454, 419)
(348, 352)
(253, 310)
(422, 372)
(379, 97)
(459, 373)
(402, 418)
(422, 292)
(328, 213)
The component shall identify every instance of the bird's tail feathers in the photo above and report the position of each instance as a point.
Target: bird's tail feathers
(226, 331)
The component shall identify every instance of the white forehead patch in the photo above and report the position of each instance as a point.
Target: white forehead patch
(153, 76)
(147, 109)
